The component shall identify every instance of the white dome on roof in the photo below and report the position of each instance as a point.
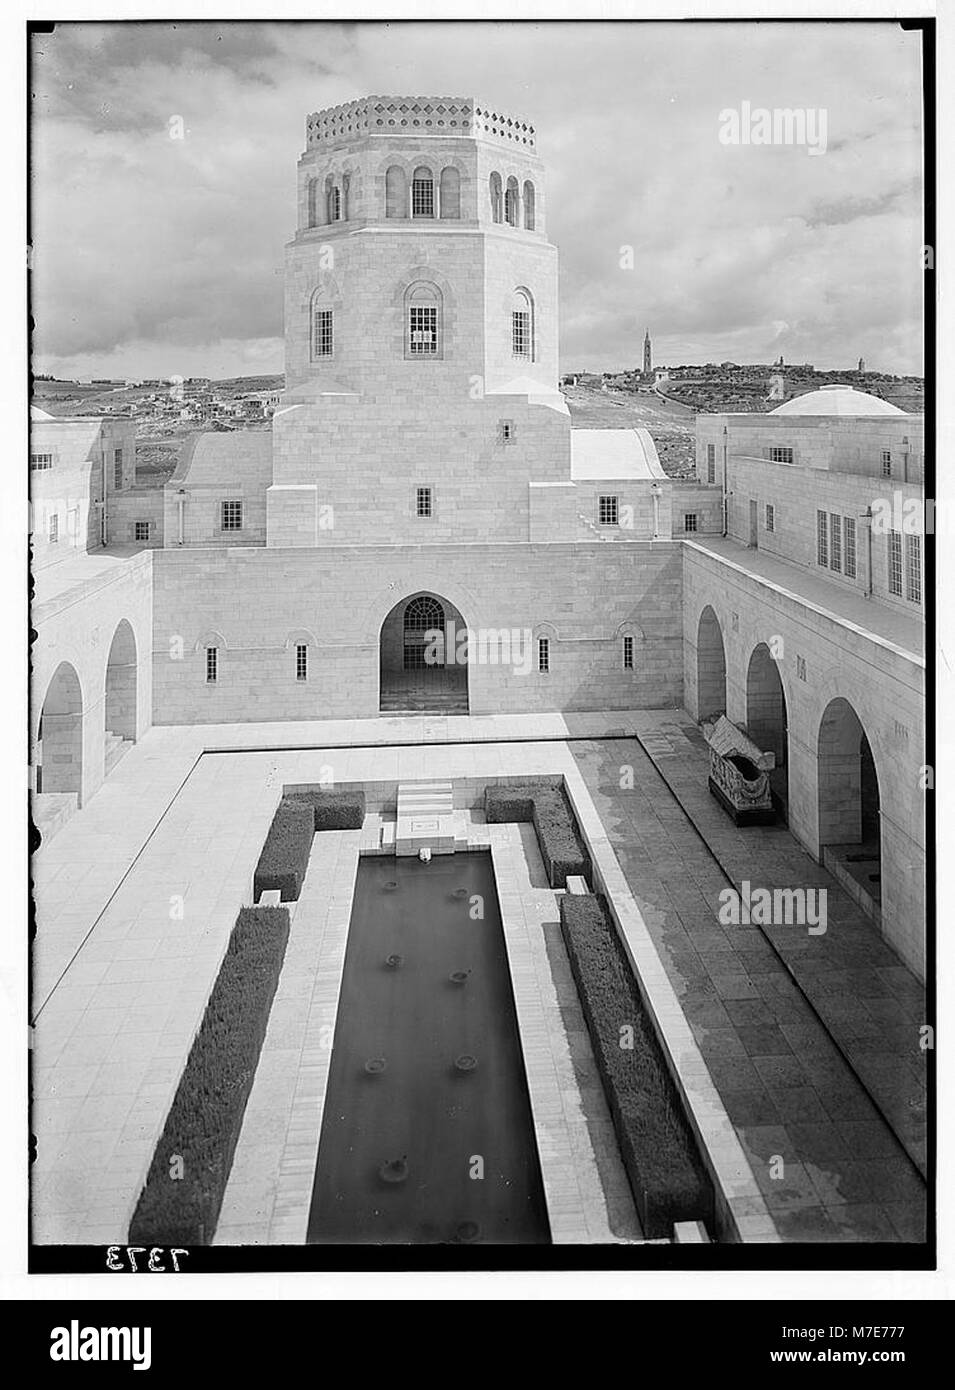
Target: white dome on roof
(837, 399)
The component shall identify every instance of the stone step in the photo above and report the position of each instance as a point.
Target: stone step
(425, 818)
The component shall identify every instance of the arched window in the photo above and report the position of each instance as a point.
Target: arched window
(312, 213)
(512, 203)
(497, 201)
(423, 635)
(333, 200)
(450, 193)
(396, 192)
(422, 193)
(522, 325)
(423, 320)
(528, 205)
(322, 334)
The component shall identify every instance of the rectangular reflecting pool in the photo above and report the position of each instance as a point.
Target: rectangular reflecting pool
(427, 1135)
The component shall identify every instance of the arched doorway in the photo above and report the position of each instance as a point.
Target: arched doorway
(850, 820)
(120, 695)
(423, 664)
(59, 752)
(767, 722)
(710, 667)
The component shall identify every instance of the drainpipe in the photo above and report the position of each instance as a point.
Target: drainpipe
(867, 523)
(905, 458)
(181, 500)
(725, 503)
(655, 499)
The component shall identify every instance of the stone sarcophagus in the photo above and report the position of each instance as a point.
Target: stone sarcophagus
(739, 774)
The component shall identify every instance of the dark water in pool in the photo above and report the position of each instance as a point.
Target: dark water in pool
(437, 1124)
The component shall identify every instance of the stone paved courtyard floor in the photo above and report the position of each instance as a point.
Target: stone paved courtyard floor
(121, 979)
(779, 1016)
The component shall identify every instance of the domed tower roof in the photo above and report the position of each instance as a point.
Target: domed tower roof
(837, 399)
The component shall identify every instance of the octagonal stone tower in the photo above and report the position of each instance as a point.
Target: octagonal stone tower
(421, 329)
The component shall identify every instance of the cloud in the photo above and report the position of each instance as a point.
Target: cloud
(151, 251)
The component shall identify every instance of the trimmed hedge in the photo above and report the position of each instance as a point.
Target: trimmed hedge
(205, 1118)
(334, 810)
(664, 1167)
(284, 856)
(547, 807)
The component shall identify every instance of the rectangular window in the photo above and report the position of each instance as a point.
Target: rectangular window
(423, 502)
(301, 661)
(690, 521)
(54, 528)
(628, 653)
(212, 665)
(117, 469)
(770, 517)
(780, 454)
(711, 463)
(422, 198)
(507, 435)
(887, 463)
(822, 538)
(543, 654)
(521, 333)
(423, 330)
(232, 516)
(835, 541)
(913, 568)
(849, 549)
(322, 333)
(140, 530)
(41, 462)
(608, 511)
(895, 562)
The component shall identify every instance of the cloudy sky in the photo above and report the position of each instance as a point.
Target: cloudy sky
(154, 255)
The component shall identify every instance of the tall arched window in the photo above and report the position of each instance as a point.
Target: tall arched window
(422, 193)
(497, 198)
(423, 632)
(450, 193)
(396, 192)
(423, 327)
(322, 328)
(528, 205)
(312, 212)
(512, 203)
(522, 325)
(333, 200)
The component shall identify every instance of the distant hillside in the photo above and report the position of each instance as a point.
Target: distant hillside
(672, 426)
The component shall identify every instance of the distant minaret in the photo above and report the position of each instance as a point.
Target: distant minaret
(647, 355)
(861, 364)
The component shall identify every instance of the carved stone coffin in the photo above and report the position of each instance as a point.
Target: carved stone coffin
(739, 774)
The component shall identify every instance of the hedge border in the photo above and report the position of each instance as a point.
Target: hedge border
(206, 1114)
(546, 806)
(284, 857)
(664, 1167)
(334, 810)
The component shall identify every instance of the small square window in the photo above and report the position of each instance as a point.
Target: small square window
(770, 517)
(424, 502)
(543, 654)
(690, 521)
(140, 530)
(41, 462)
(608, 511)
(232, 516)
(507, 433)
(628, 653)
(301, 661)
(780, 453)
(212, 665)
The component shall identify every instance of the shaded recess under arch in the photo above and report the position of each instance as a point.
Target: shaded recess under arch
(419, 644)
(767, 720)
